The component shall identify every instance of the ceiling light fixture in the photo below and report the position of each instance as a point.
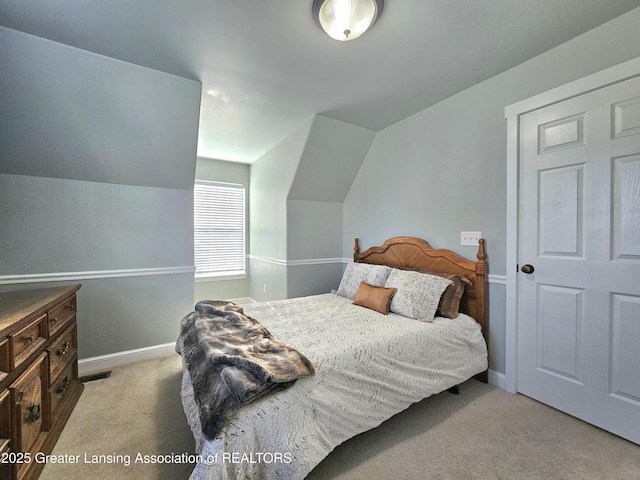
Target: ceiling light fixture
(346, 19)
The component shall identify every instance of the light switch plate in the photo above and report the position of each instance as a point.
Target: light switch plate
(470, 238)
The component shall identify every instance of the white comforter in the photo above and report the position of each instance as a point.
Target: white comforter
(368, 368)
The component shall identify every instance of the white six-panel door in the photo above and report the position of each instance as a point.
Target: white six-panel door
(579, 228)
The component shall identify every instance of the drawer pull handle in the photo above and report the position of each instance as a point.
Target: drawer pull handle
(34, 412)
(63, 350)
(62, 388)
(53, 320)
(32, 338)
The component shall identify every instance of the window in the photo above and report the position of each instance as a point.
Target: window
(218, 214)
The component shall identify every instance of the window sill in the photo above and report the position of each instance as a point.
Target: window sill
(203, 277)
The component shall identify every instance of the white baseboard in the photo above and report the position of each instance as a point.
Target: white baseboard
(89, 366)
(497, 379)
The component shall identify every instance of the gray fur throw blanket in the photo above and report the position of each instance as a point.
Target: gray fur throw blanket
(233, 360)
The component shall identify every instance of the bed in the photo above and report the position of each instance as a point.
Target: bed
(369, 366)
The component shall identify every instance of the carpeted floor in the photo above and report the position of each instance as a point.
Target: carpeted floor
(483, 433)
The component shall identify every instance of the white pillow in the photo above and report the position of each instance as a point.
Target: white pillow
(418, 294)
(355, 273)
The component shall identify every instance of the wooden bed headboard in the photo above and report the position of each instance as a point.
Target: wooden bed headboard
(415, 254)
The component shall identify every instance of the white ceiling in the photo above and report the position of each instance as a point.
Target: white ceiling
(266, 67)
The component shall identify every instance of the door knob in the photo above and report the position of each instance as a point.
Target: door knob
(527, 269)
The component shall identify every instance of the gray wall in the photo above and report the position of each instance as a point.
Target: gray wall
(297, 190)
(97, 159)
(443, 170)
(271, 178)
(314, 233)
(332, 156)
(60, 225)
(228, 172)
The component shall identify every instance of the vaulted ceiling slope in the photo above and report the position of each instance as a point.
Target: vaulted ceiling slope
(266, 67)
(71, 114)
(330, 160)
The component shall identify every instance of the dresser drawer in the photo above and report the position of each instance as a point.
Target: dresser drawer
(5, 364)
(63, 385)
(5, 434)
(62, 351)
(30, 403)
(5, 421)
(27, 340)
(61, 314)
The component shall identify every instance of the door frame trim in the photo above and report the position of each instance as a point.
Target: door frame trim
(604, 78)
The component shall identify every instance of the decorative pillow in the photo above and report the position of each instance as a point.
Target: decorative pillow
(450, 301)
(375, 298)
(355, 273)
(418, 293)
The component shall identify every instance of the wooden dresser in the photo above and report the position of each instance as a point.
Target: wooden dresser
(39, 384)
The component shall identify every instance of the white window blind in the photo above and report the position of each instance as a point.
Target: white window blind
(218, 213)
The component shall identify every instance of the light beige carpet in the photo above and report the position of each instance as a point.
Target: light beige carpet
(483, 433)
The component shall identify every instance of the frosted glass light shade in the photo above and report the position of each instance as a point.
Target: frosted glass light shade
(346, 19)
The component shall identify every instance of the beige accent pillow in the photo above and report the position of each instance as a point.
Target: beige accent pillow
(362, 272)
(418, 294)
(375, 298)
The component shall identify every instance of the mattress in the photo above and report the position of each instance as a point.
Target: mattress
(369, 367)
